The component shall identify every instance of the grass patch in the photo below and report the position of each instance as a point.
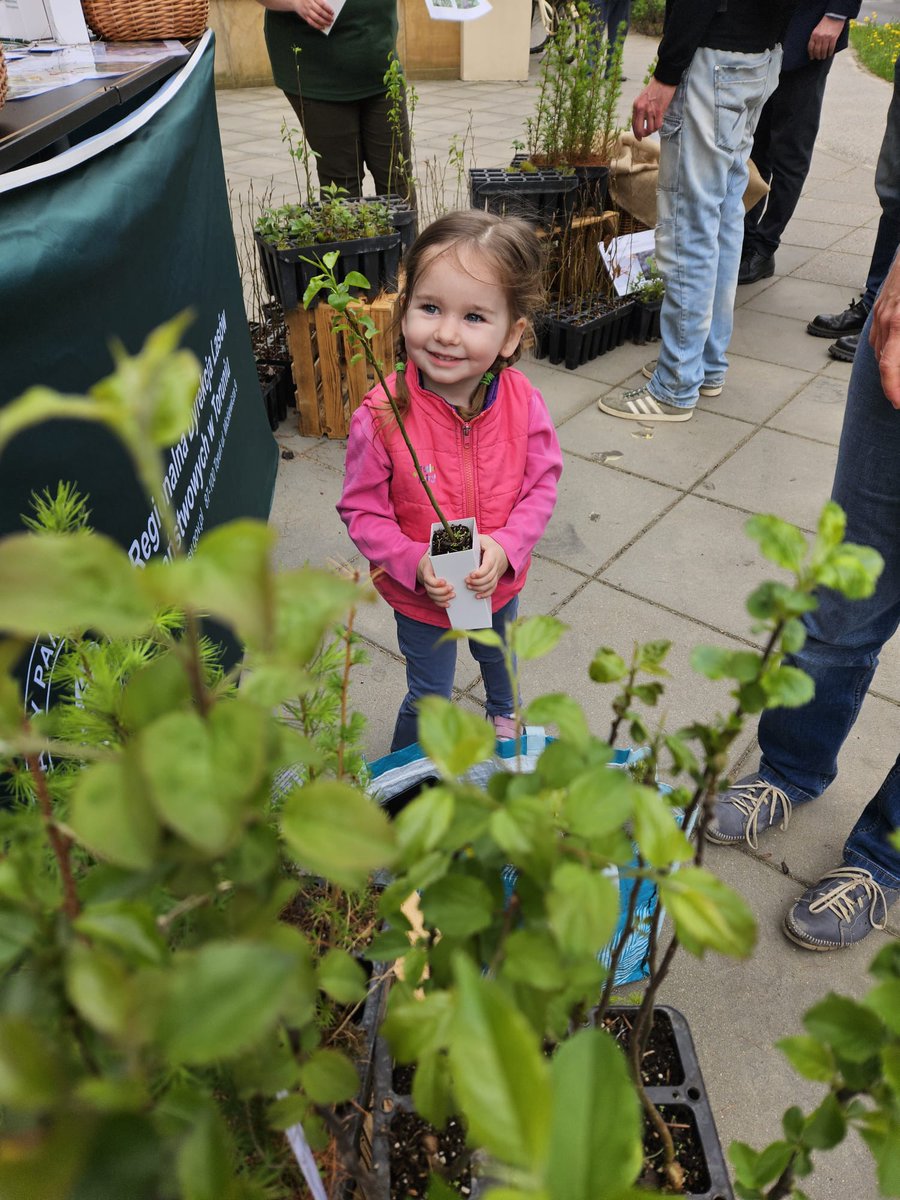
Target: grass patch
(877, 46)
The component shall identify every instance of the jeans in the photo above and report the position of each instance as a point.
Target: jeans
(887, 188)
(430, 667)
(705, 143)
(844, 637)
(782, 151)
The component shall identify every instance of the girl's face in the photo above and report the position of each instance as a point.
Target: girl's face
(456, 325)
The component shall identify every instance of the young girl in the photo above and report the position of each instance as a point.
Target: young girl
(482, 434)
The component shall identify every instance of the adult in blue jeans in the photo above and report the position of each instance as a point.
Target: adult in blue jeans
(843, 639)
(845, 326)
(716, 68)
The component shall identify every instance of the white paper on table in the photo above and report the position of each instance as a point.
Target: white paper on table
(625, 259)
(336, 6)
(457, 10)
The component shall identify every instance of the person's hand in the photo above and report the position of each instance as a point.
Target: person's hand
(884, 336)
(823, 38)
(494, 563)
(438, 590)
(317, 13)
(650, 108)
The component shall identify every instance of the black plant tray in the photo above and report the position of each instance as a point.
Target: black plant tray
(645, 321)
(543, 196)
(575, 340)
(593, 187)
(405, 220)
(687, 1102)
(387, 1103)
(287, 275)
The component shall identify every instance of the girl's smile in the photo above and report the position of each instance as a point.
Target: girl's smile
(457, 324)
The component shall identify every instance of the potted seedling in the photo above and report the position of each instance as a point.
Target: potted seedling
(648, 298)
(454, 548)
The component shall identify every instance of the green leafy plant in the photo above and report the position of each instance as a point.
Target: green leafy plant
(361, 329)
(333, 219)
(651, 285)
(853, 1048)
(575, 119)
(160, 1021)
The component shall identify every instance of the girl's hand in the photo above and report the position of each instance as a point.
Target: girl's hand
(438, 590)
(315, 12)
(494, 564)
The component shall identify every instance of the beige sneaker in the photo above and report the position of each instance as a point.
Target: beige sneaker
(706, 389)
(639, 404)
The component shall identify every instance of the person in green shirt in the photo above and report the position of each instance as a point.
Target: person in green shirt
(331, 68)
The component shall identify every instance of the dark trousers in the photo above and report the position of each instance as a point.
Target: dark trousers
(349, 136)
(782, 150)
(431, 663)
(887, 188)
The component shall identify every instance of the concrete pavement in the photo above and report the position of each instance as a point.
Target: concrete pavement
(647, 542)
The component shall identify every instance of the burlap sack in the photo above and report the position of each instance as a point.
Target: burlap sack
(633, 174)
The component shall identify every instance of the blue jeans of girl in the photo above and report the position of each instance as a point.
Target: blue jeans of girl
(430, 666)
(844, 637)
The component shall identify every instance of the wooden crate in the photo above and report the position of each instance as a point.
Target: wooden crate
(330, 387)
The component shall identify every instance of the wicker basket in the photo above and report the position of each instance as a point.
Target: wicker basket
(4, 78)
(127, 21)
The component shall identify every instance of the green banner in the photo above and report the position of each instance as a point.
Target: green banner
(103, 243)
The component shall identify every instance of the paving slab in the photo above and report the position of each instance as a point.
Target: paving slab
(679, 455)
(776, 339)
(816, 412)
(802, 232)
(798, 298)
(599, 512)
(696, 559)
(778, 472)
(754, 390)
(835, 267)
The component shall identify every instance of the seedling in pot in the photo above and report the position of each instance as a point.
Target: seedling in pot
(361, 329)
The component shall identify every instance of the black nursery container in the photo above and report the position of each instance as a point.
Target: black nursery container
(645, 321)
(686, 1102)
(575, 339)
(288, 276)
(542, 196)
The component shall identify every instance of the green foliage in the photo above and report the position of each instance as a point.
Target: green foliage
(174, 984)
(575, 119)
(853, 1049)
(334, 218)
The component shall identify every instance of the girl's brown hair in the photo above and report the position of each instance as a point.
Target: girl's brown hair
(512, 253)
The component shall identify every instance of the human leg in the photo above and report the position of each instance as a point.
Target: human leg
(498, 687)
(844, 637)
(430, 666)
(794, 111)
(705, 143)
(333, 131)
(887, 188)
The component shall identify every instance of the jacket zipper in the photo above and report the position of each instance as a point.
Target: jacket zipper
(468, 471)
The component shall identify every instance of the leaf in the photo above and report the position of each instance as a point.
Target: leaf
(205, 1162)
(532, 958)
(595, 1137)
(342, 976)
(809, 1058)
(659, 839)
(432, 1090)
(500, 1077)
(222, 999)
(416, 1027)
(481, 637)
(328, 1077)
(582, 907)
(780, 542)
(334, 830)
(111, 816)
(851, 570)
(787, 687)
(31, 1077)
(850, 1029)
(128, 927)
(457, 905)
(826, 1126)
(534, 637)
(831, 528)
(881, 1132)
(453, 738)
(717, 663)
(607, 666)
(228, 577)
(707, 914)
(356, 279)
(99, 988)
(70, 583)
(421, 826)
(564, 712)
(884, 999)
